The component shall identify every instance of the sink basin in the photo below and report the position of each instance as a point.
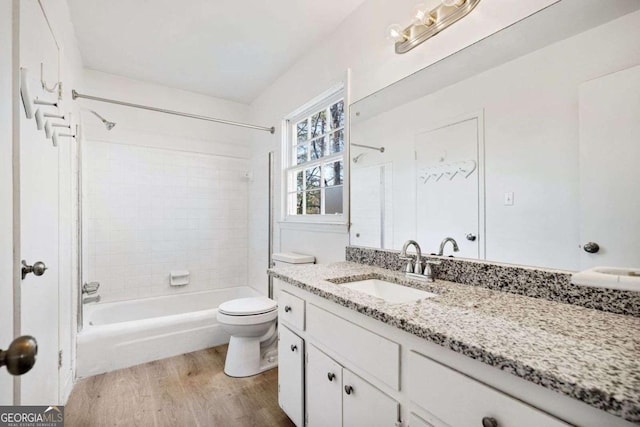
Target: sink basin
(389, 292)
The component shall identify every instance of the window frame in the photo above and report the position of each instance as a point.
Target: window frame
(323, 101)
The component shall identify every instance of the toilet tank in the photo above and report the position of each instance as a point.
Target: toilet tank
(291, 258)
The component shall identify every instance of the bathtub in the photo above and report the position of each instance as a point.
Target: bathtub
(117, 335)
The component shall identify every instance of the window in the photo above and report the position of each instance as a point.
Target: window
(315, 161)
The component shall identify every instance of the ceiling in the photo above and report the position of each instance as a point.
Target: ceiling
(224, 48)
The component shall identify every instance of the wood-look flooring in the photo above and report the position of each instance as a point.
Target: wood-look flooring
(181, 391)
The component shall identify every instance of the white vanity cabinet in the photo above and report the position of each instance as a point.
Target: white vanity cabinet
(291, 375)
(338, 397)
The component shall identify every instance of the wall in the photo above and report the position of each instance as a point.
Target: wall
(531, 144)
(162, 192)
(150, 211)
(358, 44)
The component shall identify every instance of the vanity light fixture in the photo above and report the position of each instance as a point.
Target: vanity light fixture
(427, 23)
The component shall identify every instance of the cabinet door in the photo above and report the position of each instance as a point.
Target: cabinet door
(324, 390)
(291, 375)
(364, 405)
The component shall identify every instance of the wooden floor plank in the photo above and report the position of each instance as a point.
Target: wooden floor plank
(186, 390)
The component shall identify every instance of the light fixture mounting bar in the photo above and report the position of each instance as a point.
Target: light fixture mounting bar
(440, 18)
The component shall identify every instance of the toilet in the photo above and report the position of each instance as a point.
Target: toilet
(252, 325)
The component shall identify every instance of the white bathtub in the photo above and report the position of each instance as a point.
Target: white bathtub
(117, 335)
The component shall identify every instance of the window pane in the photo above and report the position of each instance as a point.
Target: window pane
(302, 130)
(312, 176)
(313, 202)
(336, 142)
(319, 124)
(299, 202)
(318, 148)
(337, 115)
(333, 174)
(333, 200)
(300, 181)
(301, 151)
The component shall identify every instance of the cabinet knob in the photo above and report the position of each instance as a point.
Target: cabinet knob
(294, 347)
(287, 308)
(348, 389)
(331, 376)
(591, 247)
(489, 422)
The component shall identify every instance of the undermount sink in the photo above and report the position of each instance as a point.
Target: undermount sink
(391, 293)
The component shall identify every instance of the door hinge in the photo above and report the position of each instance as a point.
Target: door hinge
(60, 359)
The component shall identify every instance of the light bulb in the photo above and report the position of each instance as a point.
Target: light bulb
(419, 14)
(396, 33)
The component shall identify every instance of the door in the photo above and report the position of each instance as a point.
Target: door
(609, 172)
(324, 390)
(6, 196)
(39, 211)
(371, 206)
(448, 192)
(363, 405)
(291, 375)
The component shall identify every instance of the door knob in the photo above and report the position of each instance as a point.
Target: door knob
(591, 247)
(20, 357)
(37, 268)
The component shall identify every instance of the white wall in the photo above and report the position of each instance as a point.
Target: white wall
(162, 192)
(358, 44)
(531, 143)
(151, 211)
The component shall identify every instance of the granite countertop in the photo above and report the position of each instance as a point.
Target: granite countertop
(589, 355)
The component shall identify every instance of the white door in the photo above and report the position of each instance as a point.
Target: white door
(371, 206)
(39, 212)
(324, 390)
(6, 197)
(609, 169)
(363, 405)
(447, 199)
(291, 375)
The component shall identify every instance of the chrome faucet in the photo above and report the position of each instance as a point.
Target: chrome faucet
(416, 271)
(444, 242)
(410, 267)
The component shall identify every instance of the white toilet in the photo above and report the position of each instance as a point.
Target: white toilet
(252, 324)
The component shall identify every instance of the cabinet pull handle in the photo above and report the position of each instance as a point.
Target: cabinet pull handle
(489, 422)
(294, 347)
(348, 389)
(287, 308)
(331, 376)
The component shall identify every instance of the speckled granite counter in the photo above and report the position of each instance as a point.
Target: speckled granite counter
(586, 354)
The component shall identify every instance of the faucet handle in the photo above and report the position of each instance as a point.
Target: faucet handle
(409, 267)
(433, 262)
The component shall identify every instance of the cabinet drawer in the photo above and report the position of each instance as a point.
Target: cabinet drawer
(291, 310)
(461, 401)
(368, 351)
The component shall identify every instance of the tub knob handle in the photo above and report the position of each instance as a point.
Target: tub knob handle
(287, 308)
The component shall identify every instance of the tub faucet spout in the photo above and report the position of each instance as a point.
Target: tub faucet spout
(88, 300)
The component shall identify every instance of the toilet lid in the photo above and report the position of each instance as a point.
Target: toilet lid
(247, 306)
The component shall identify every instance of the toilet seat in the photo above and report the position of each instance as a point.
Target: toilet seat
(248, 306)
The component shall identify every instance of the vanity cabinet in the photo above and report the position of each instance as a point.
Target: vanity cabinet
(459, 400)
(336, 396)
(291, 374)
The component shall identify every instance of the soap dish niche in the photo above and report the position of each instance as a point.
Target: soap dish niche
(179, 278)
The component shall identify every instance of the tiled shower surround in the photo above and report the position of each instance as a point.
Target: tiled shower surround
(552, 285)
(149, 211)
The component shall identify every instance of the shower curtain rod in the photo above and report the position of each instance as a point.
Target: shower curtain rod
(76, 95)
(380, 149)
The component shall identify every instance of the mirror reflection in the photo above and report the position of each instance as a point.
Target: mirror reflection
(523, 148)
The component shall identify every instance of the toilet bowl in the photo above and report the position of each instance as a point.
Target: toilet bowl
(251, 322)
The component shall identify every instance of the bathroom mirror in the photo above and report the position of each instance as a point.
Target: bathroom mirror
(523, 147)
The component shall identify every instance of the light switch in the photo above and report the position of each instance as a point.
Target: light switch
(508, 199)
